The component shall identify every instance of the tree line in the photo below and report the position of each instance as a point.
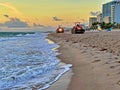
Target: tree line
(105, 25)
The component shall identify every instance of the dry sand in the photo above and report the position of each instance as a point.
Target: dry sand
(95, 57)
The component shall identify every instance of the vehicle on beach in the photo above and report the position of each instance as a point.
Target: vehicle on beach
(60, 30)
(78, 29)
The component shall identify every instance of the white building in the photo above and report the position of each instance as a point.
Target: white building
(92, 20)
(99, 18)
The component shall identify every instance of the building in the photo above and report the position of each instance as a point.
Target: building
(99, 18)
(92, 20)
(111, 10)
(107, 19)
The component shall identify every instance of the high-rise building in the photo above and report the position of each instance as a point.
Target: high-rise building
(99, 18)
(107, 19)
(111, 10)
(92, 20)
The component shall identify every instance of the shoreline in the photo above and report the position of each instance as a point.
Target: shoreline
(93, 67)
(63, 82)
(65, 79)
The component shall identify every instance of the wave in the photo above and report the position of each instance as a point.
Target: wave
(12, 34)
(28, 62)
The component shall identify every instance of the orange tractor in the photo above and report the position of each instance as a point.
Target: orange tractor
(78, 28)
(60, 30)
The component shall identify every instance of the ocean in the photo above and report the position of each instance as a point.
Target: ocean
(28, 61)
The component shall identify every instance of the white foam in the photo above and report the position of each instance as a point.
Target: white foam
(67, 68)
(28, 61)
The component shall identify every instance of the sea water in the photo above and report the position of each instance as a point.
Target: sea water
(28, 61)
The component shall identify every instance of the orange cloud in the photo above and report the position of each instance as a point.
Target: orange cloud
(11, 7)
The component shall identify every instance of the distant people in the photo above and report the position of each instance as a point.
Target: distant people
(99, 28)
(109, 29)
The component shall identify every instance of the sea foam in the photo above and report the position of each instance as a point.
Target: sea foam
(29, 62)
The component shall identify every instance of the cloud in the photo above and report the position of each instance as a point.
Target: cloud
(7, 16)
(38, 25)
(56, 19)
(11, 7)
(94, 13)
(15, 23)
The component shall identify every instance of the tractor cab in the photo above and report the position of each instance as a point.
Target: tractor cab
(60, 29)
(78, 28)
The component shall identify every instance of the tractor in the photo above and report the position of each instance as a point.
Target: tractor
(60, 30)
(78, 28)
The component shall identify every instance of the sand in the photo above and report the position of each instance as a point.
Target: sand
(95, 57)
(63, 82)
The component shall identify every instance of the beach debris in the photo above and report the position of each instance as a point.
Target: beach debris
(116, 57)
(75, 42)
(67, 40)
(118, 61)
(103, 49)
(107, 63)
(112, 67)
(96, 61)
(118, 82)
(85, 46)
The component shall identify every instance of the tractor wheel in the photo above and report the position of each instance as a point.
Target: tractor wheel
(73, 31)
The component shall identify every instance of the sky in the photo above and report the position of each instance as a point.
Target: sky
(48, 12)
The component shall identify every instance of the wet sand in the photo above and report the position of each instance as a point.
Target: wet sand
(95, 57)
(63, 82)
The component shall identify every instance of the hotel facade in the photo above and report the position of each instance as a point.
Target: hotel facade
(111, 11)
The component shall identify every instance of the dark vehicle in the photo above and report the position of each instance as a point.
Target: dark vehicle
(60, 30)
(78, 28)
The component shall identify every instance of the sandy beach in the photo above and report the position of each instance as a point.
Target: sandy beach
(95, 57)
